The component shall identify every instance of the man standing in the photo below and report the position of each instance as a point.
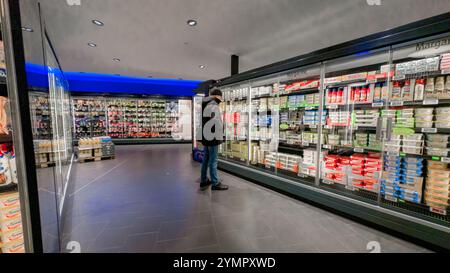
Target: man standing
(212, 137)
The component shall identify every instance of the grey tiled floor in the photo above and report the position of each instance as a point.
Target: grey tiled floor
(147, 200)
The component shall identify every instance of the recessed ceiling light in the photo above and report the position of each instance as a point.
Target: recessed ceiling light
(92, 45)
(192, 22)
(27, 29)
(201, 66)
(98, 23)
(116, 59)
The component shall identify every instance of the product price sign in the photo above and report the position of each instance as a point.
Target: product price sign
(445, 159)
(371, 81)
(305, 143)
(429, 130)
(358, 150)
(396, 103)
(391, 198)
(328, 182)
(445, 71)
(327, 147)
(393, 153)
(328, 127)
(378, 104)
(333, 106)
(309, 108)
(313, 126)
(430, 102)
(350, 188)
(437, 210)
(399, 78)
(302, 175)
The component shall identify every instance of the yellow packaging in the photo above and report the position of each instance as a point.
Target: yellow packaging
(16, 247)
(8, 200)
(9, 213)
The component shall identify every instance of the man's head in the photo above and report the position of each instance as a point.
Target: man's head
(216, 93)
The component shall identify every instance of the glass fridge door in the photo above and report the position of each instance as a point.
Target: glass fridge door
(236, 123)
(355, 92)
(416, 175)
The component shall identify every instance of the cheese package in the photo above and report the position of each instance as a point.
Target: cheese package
(16, 247)
(9, 213)
(8, 200)
(10, 225)
(13, 236)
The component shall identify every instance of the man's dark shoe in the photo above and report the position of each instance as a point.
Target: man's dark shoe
(205, 185)
(219, 187)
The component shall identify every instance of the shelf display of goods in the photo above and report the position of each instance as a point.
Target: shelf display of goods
(11, 230)
(90, 117)
(40, 115)
(115, 119)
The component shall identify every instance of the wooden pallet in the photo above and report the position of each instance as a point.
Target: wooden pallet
(45, 165)
(95, 158)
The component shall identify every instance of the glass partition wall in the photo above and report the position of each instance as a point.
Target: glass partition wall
(372, 126)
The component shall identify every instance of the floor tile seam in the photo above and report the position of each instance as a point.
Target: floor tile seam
(97, 178)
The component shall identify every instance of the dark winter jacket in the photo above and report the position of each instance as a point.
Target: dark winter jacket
(212, 126)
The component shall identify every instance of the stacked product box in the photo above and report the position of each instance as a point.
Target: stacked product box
(366, 169)
(437, 145)
(402, 178)
(336, 168)
(442, 117)
(282, 161)
(437, 190)
(424, 117)
(339, 118)
(308, 166)
(8, 171)
(410, 144)
(312, 117)
(11, 231)
(365, 118)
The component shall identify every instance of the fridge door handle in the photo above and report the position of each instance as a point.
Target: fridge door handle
(379, 131)
(389, 129)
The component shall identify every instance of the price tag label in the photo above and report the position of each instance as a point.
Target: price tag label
(445, 71)
(350, 188)
(445, 159)
(396, 103)
(390, 198)
(378, 104)
(393, 153)
(441, 211)
(302, 175)
(399, 78)
(371, 81)
(358, 150)
(429, 130)
(430, 102)
(328, 182)
(327, 147)
(333, 106)
(328, 127)
(305, 144)
(313, 126)
(309, 108)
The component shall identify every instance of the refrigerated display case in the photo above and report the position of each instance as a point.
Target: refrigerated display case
(133, 120)
(361, 128)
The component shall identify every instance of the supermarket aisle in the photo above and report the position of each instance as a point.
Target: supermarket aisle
(147, 200)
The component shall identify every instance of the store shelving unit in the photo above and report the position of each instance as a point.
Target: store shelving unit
(360, 128)
(127, 120)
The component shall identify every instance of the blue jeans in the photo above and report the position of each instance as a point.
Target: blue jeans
(210, 160)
